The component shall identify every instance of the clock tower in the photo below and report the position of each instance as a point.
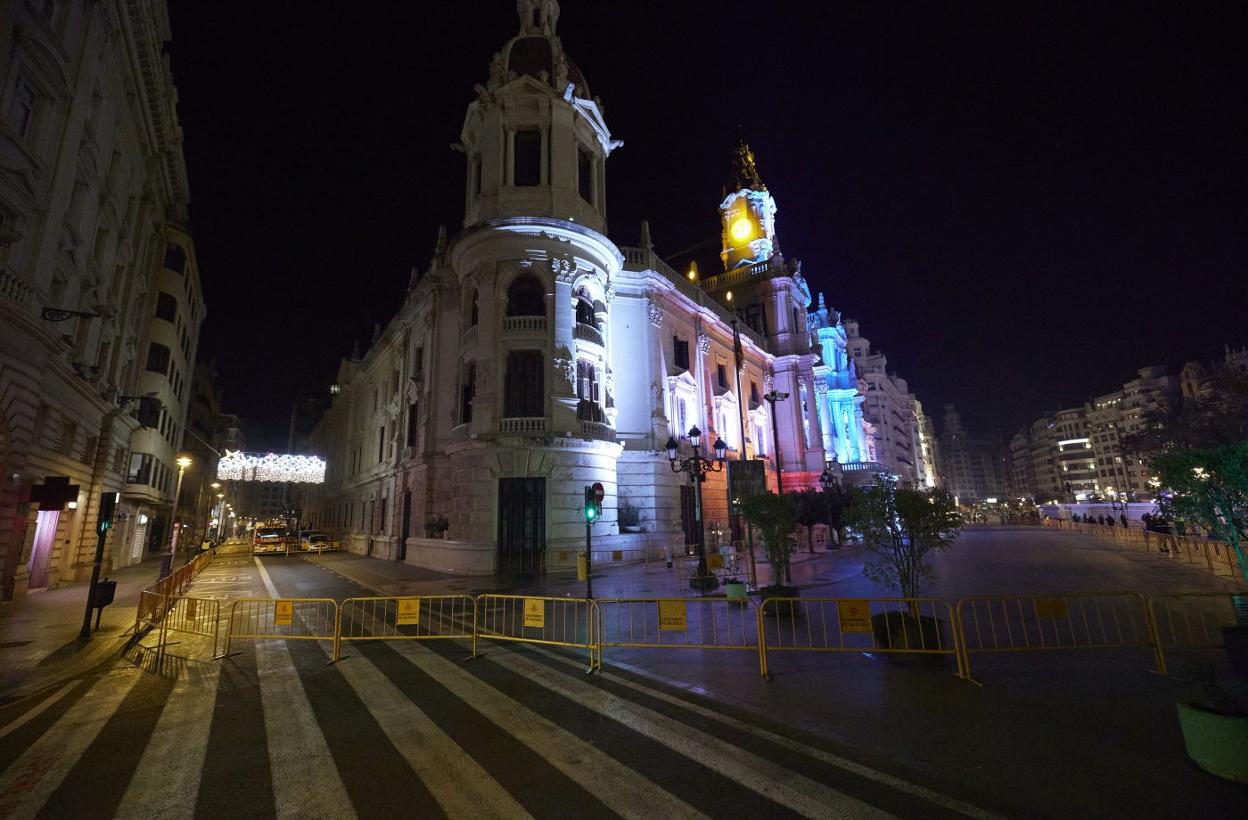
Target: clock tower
(747, 215)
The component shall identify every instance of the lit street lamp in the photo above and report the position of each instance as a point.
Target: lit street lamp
(166, 561)
(697, 467)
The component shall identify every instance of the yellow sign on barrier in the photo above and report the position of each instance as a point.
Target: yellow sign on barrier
(617, 555)
(855, 616)
(1051, 608)
(408, 612)
(673, 616)
(190, 608)
(535, 613)
(283, 613)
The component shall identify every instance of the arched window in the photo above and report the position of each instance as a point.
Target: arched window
(526, 296)
(585, 312)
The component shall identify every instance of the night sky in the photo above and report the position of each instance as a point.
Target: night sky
(1020, 203)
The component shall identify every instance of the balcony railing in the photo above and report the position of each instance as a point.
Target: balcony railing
(597, 430)
(524, 426)
(524, 324)
(588, 333)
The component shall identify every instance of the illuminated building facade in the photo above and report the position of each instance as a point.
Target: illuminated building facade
(533, 356)
(100, 296)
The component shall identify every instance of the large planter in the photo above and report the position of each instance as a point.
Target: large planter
(783, 610)
(735, 590)
(1216, 741)
(902, 631)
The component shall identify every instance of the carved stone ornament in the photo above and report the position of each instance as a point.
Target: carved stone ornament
(654, 307)
(821, 387)
(526, 264)
(566, 368)
(412, 393)
(769, 382)
(563, 269)
(657, 390)
(704, 343)
(608, 295)
(801, 382)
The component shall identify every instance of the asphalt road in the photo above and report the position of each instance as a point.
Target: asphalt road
(414, 730)
(406, 729)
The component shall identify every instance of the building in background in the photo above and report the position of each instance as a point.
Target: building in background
(534, 356)
(100, 299)
(972, 464)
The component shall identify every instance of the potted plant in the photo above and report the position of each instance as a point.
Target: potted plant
(775, 516)
(629, 516)
(900, 527)
(1215, 726)
(436, 526)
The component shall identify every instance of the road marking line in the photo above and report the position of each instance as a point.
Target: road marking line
(264, 576)
(462, 787)
(40, 709)
(832, 759)
(792, 789)
(26, 785)
(167, 780)
(623, 790)
(306, 782)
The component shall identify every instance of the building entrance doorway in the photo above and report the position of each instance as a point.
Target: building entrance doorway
(521, 526)
(407, 525)
(41, 552)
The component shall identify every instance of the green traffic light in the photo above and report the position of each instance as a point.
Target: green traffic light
(590, 513)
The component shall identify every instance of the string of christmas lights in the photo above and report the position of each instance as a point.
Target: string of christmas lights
(284, 467)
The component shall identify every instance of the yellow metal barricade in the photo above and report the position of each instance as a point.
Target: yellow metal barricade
(150, 610)
(407, 618)
(1192, 621)
(1066, 621)
(302, 619)
(194, 616)
(914, 626)
(571, 622)
(677, 623)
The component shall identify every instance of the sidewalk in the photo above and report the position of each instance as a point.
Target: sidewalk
(655, 580)
(39, 643)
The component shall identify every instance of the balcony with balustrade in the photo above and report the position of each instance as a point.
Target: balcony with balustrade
(587, 333)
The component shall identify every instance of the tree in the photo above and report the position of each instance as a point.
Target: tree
(1210, 487)
(809, 510)
(900, 527)
(775, 516)
(837, 500)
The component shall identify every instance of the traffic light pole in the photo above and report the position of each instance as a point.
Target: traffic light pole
(589, 559)
(108, 504)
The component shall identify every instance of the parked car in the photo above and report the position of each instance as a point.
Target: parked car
(315, 541)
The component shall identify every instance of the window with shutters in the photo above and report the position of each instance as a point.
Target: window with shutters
(524, 391)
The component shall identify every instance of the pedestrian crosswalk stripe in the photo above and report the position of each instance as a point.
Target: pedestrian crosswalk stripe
(30, 781)
(790, 789)
(883, 778)
(167, 780)
(306, 782)
(625, 791)
(460, 785)
(38, 709)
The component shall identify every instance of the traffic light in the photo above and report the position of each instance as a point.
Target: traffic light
(108, 507)
(593, 508)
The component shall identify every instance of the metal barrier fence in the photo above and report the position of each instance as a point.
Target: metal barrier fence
(1193, 620)
(304, 619)
(407, 618)
(1197, 551)
(1034, 623)
(912, 626)
(677, 623)
(571, 622)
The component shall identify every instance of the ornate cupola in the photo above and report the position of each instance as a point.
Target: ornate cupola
(535, 139)
(748, 215)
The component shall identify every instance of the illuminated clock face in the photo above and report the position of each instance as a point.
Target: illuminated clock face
(741, 229)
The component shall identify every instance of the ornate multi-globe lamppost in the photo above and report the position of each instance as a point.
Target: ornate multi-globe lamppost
(697, 467)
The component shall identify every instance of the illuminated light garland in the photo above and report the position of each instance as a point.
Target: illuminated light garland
(238, 466)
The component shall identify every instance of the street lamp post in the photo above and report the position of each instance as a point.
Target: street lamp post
(771, 398)
(697, 467)
(166, 562)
